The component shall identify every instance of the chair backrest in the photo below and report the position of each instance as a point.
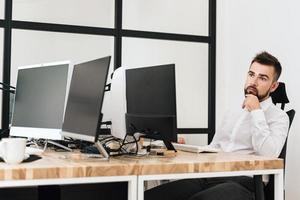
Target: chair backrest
(269, 188)
(279, 96)
(291, 114)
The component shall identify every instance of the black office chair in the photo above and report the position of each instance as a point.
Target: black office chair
(267, 192)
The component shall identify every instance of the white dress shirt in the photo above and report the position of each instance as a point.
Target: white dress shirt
(262, 131)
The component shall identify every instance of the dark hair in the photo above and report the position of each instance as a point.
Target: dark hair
(267, 59)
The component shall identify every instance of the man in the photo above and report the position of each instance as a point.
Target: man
(258, 126)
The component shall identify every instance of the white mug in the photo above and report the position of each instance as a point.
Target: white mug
(12, 150)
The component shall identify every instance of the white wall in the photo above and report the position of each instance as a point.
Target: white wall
(76, 12)
(245, 28)
(162, 16)
(2, 9)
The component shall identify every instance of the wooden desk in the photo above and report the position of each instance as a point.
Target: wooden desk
(191, 165)
(70, 168)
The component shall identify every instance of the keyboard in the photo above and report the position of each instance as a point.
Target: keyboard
(195, 148)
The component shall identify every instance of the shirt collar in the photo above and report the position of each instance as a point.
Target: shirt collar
(266, 104)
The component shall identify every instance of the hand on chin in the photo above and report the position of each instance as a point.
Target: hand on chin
(251, 102)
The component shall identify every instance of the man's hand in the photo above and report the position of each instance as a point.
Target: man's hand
(251, 102)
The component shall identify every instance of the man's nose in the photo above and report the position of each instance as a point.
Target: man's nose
(253, 81)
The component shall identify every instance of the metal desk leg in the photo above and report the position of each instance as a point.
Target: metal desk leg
(140, 188)
(132, 188)
(278, 186)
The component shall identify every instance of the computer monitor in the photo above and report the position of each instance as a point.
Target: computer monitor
(39, 102)
(83, 111)
(151, 102)
(117, 110)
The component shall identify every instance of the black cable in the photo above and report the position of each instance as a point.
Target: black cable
(136, 144)
(8, 90)
(6, 85)
(131, 142)
(103, 139)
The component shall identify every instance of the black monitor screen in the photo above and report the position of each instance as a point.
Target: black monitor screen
(151, 100)
(40, 97)
(83, 111)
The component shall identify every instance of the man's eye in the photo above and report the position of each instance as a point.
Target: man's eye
(263, 79)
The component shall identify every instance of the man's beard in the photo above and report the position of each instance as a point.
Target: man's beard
(253, 90)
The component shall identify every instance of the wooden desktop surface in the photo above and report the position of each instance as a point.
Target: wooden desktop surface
(71, 165)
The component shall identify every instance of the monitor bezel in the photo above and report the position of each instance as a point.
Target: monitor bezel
(22, 131)
(37, 132)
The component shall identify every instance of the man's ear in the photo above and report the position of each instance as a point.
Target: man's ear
(274, 86)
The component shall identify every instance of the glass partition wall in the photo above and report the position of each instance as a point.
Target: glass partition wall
(136, 33)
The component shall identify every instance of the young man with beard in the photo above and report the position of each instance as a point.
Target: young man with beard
(258, 126)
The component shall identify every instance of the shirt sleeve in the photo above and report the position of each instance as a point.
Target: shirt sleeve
(269, 137)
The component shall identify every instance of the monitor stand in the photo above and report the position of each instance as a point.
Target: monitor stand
(101, 149)
(58, 145)
(167, 143)
(98, 144)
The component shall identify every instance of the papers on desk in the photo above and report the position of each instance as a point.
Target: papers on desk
(32, 150)
(195, 148)
(188, 147)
